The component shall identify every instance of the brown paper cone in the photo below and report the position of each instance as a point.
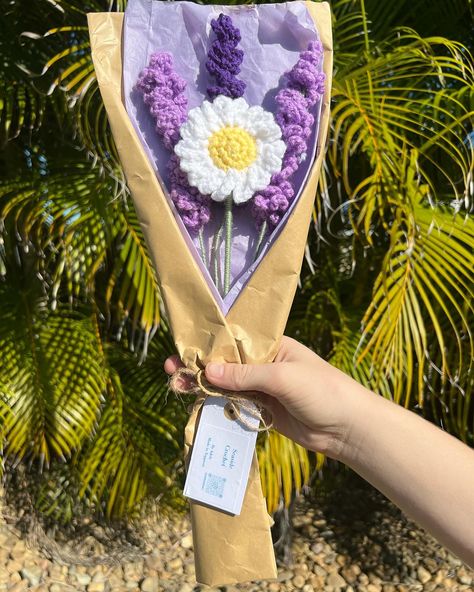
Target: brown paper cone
(228, 549)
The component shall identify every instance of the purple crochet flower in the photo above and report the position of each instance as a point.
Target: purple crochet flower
(305, 86)
(163, 92)
(193, 207)
(224, 59)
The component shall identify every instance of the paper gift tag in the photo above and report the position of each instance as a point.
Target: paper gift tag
(221, 456)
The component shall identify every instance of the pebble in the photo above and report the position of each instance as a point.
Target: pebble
(284, 576)
(83, 579)
(423, 575)
(32, 573)
(350, 573)
(298, 582)
(154, 562)
(317, 548)
(332, 551)
(23, 585)
(336, 580)
(175, 564)
(96, 587)
(14, 565)
(150, 584)
(15, 577)
(187, 542)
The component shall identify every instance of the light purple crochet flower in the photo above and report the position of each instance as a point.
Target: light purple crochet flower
(193, 207)
(305, 86)
(163, 92)
(224, 59)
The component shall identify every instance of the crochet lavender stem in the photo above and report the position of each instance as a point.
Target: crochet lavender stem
(224, 59)
(304, 87)
(163, 91)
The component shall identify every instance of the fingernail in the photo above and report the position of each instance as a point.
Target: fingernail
(215, 370)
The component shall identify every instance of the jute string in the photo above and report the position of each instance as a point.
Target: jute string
(236, 402)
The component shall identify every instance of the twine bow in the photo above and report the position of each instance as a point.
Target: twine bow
(236, 402)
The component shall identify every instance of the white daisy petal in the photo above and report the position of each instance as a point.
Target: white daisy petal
(213, 119)
(242, 194)
(271, 155)
(256, 115)
(196, 116)
(239, 189)
(228, 148)
(207, 183)
(221, 104)
(257, 177)
(266, 132)
(229, 182)
(191, 131)
(217, 196)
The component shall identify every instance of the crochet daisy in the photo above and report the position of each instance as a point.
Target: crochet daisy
(228, 148)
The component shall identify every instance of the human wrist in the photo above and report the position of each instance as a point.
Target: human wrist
(357, 405)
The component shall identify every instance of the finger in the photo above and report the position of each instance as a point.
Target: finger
(292, 350)
(245, 377)
(172, 364)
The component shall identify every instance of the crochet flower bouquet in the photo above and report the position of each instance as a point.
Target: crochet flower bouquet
(220, 115)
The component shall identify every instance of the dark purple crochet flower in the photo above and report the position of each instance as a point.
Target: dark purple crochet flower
(163, 92)
(193, 207)
(304, 87)
(224, 59)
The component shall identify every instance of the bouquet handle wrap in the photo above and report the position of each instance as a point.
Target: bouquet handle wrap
(228, 549)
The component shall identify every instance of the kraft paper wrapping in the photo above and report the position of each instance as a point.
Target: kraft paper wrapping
(228, 549)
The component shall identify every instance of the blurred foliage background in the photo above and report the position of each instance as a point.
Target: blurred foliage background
(385, 293)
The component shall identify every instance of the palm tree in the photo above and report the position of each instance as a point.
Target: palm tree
(386, 289)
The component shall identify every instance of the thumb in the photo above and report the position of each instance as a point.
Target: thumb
(242, 377)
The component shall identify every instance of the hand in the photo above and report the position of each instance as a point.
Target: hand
(307, 397)
(425, 471)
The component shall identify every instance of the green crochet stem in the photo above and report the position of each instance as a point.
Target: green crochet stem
(202, 247)
(261, 236)
(228, 242)
(215, 256)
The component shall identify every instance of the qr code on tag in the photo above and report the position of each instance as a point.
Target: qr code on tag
(214, 485)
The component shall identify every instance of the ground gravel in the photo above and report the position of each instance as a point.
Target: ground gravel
(345, 537)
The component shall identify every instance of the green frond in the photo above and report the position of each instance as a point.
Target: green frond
(284, 469)
(404, 97)
(386, 288)
(137, 444)
(69, 70)
(20, 108)
(68, 223)
(51, 382)
(426, 277)
(132, 286)
(80, 232)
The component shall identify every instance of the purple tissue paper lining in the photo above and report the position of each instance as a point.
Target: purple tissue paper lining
(273, 35)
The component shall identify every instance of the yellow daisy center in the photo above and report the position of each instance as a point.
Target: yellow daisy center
(232, 147)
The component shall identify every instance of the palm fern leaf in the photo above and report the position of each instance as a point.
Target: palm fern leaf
(51, 382)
